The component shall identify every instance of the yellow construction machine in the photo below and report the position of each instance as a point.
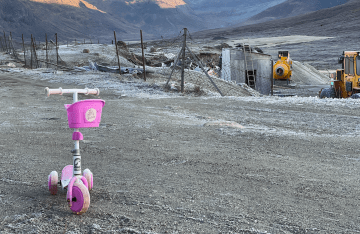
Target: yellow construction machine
(346, 81)
(282, 69)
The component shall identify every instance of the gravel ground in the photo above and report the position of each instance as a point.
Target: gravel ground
(171, 163)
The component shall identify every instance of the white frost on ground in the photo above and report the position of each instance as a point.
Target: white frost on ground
(300, 101)
(274, 41)
(137, 88)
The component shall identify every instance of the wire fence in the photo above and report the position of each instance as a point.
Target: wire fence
(186, 66)
(181, 64)
(34, 54)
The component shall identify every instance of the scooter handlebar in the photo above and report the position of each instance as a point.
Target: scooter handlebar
(61, 91)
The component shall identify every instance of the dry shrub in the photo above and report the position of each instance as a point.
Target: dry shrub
(197, 89)
(122, 45)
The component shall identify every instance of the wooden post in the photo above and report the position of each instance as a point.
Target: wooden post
(22, 37)
(183, 62)
(11, 46)
(34, 46)
(143, 56)
(117, 53)
(57, 52)
(203, 69)
(10, 42)
(5, 42)
(31, 60)
(46, 51)
(34, 41)
(75, 41)
(172, 71)
(2, 46)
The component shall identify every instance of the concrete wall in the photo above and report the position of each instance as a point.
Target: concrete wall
(234, 68)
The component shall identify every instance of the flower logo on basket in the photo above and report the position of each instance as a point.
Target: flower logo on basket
(90, 115)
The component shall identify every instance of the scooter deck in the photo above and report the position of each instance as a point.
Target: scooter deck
(66, 175)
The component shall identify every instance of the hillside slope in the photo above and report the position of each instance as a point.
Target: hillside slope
(337, 21)
(97, 19)
(292, 8)
(70, 22)
(222, 13)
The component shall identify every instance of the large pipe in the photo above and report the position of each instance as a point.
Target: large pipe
(280, 71)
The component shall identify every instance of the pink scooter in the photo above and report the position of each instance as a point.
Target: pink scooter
(81, 114)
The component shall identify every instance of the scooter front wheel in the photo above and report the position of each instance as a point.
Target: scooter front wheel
(53, 182)
(80, 200)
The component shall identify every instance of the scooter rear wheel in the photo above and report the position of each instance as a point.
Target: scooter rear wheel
(53, 182)
(80, 198)
(89, 177)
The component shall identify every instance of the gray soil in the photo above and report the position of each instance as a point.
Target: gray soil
(181, 164)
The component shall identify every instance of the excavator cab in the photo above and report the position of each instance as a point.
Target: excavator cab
(346, 83)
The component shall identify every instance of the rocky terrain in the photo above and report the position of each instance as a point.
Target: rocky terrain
(166, 162)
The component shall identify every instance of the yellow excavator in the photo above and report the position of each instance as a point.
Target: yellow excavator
(282, 69)
(346, 82)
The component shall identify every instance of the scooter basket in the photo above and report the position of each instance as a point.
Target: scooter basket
(85, 113)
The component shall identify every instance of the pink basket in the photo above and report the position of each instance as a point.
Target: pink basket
(85, 113)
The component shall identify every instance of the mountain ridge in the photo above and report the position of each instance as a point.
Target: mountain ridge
(292, 8)
(325, 22)
(76, 20)
(74, 3)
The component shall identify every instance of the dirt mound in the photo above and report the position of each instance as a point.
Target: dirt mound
(306, 74)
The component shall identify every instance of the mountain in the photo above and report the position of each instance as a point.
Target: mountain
(292, 8)
(223, 13)
(28, 17)
(97, 19)
(74, 3)
(156, 18)
(341, 21)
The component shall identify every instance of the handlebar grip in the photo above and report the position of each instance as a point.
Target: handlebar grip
(48, 91)
(95, 91)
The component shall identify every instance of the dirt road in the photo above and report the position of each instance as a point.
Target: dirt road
(179, 164)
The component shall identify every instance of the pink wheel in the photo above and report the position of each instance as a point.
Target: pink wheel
(53, 182)
(80, 201)
(89, 177)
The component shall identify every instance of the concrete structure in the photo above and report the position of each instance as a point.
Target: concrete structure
(254, 69)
